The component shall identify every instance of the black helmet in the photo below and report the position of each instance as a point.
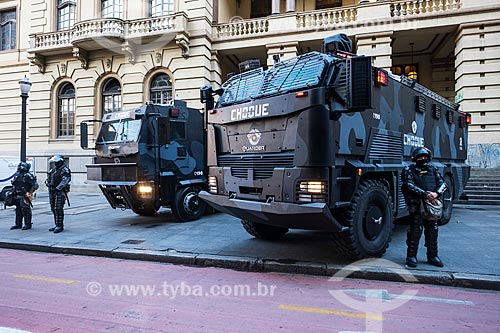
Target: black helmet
(419, 152)
(58, 160)
(23, 167)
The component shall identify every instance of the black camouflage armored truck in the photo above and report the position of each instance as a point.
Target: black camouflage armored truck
(319, 142)
(149, 157)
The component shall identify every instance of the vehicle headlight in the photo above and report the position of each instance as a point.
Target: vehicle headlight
(145, 190)
(312, 191)
(212, 184)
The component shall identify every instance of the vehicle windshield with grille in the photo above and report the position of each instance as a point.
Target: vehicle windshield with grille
(305, 71)
(120, 130)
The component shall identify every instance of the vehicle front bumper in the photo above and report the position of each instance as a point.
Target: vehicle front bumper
(313, 216)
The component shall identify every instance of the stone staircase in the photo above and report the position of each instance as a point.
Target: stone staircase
(483, 188)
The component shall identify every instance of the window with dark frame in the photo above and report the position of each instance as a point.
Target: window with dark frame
(112, 9)
(161, 89)
(323, 4)
(260, 8)
(8, 30)
(160, 7)
(66, 111)
(111, 96)
(65, 14)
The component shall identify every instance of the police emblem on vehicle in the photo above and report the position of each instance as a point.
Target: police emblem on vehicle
(412, 139)
(414, 127)
(253, 138)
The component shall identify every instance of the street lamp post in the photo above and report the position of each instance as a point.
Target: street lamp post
(25, 86)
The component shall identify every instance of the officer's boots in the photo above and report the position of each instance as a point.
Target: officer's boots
(431, 241)
(19, 222)
(412, 240)
(55, 222)
(27, 219)
(59, 224)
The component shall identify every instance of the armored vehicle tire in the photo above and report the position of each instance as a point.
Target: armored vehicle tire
(370, 222)
(145, 210)
(447, 201)
(187, 206)
(263, 231)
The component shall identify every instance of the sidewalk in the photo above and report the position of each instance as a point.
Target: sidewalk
(468, 246)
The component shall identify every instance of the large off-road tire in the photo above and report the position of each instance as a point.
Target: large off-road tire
(264, 231)
(448, 198)
(370, 220)
(187, 206)
(145, 210)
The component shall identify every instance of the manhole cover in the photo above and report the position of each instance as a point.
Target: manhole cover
(133, 241)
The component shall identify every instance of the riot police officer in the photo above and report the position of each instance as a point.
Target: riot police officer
(24, 184)
(422, 181)
(57, 182)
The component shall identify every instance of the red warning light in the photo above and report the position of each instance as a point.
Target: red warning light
(382, 78)
(299, 94)
(174, 113)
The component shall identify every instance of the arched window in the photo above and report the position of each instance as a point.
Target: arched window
(111, 96)
(161, 89)
(65, 14)
(8, 30)
(66, 110)
(161, 7)
(112, 9)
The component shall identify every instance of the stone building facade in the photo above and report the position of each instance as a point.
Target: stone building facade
(89, 57)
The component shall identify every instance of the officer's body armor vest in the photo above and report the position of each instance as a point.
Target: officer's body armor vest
(22, 182)
(425, 178)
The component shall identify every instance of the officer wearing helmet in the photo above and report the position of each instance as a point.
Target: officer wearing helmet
(24, 184)
(57, 182)
(422, 181)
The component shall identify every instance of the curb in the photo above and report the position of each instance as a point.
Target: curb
(252, 264)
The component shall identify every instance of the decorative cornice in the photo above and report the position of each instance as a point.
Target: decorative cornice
(81, 55)
(183, 42)
(129, 49)
(38, 60)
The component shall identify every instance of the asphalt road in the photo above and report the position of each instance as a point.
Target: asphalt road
(43, 292)
(468, 245)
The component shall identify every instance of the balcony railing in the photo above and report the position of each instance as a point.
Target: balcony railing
(140, 28)
(99, 28)
(240, 27)
(53, 40)
(326, 18)
(331, 18)
(105, 29)
(406, 8)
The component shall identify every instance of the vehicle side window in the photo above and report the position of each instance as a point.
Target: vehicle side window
(178, 130)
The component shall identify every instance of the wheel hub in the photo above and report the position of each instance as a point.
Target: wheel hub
(191, 203)
(373, 222)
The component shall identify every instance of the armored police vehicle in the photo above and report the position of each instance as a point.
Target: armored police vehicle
(319, 142)
(149, 157)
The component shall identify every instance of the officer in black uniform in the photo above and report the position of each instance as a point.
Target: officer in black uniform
(24, 184)
(422, 181)
(57, 182)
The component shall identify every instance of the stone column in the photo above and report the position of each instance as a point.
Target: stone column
(275, 6)
(290, 6)
(478, 79)
(285, 51)
(378, 46)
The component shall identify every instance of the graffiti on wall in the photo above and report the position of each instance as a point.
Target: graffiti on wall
(484, 155)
